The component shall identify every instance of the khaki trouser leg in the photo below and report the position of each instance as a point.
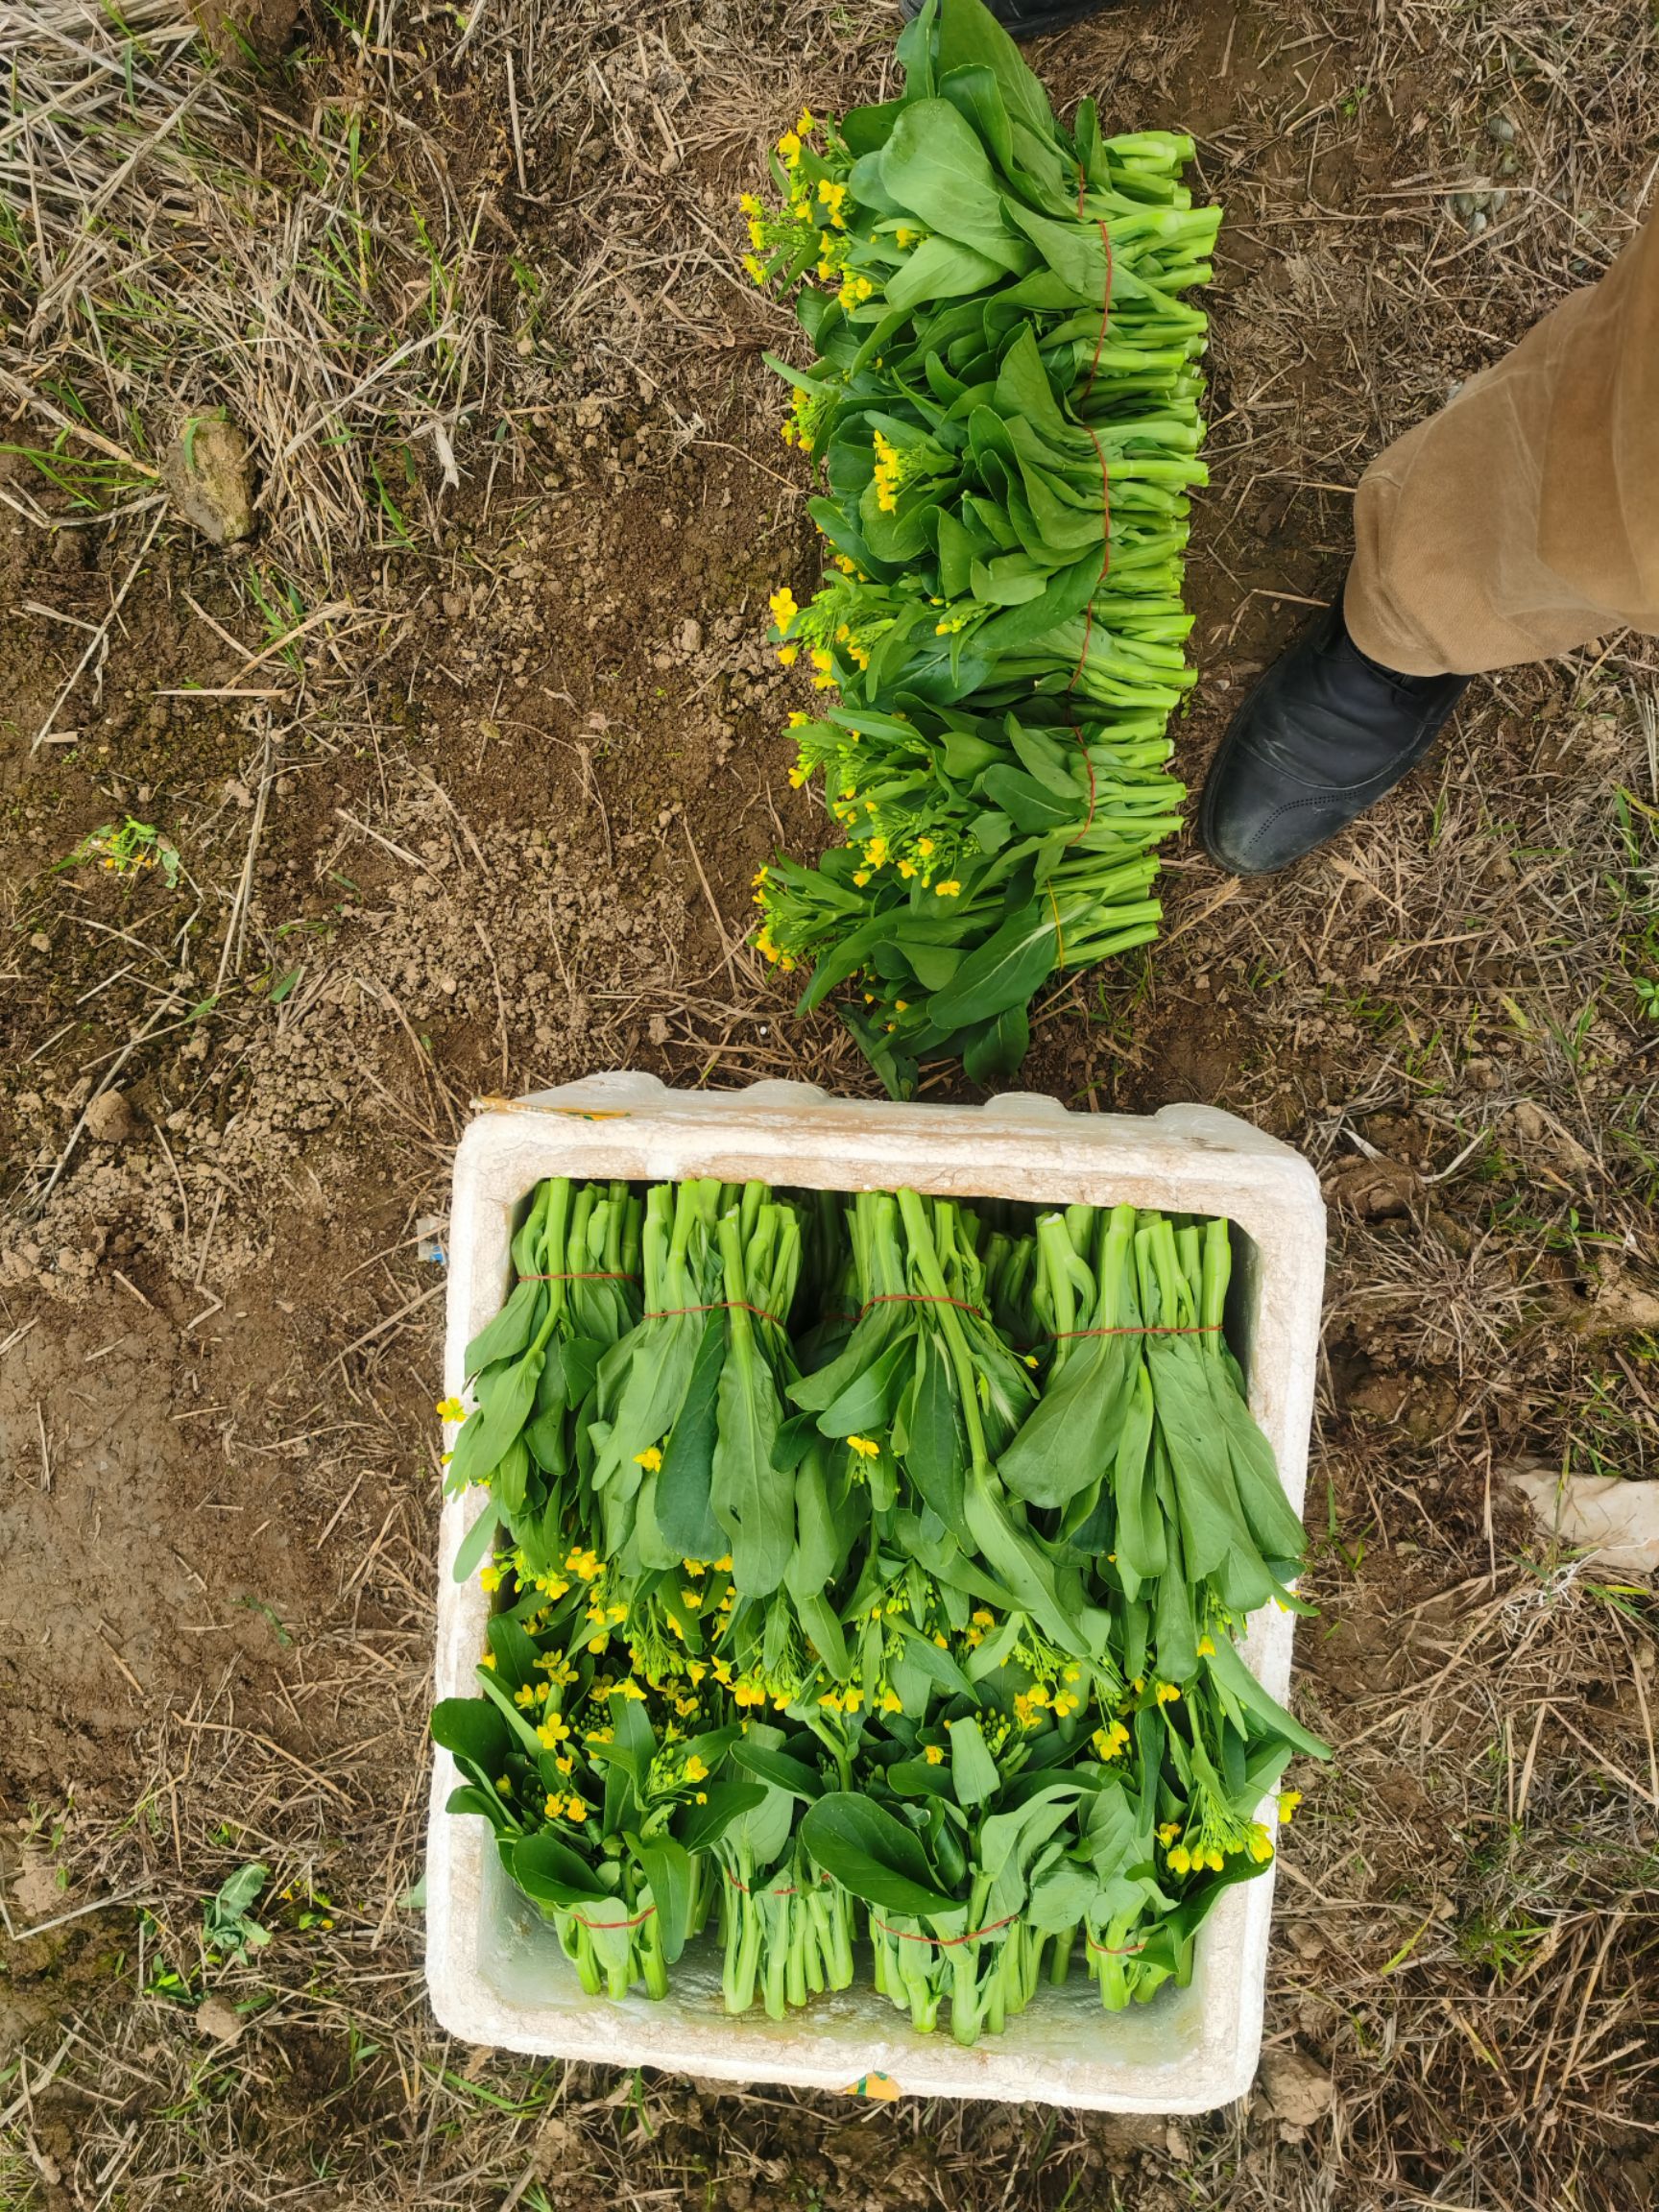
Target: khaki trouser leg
(1522, 520)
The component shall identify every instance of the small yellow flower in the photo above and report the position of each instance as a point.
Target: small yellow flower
(487, 1659)
(489, 1578)
(1288, 1800)
(695, 1770)
(452, 1410)
(806, 123)
(934, 1754)
(553, 1731)
(650, 1460)
(788, 654)
(691, 1600)
(789, 148)
(948, 890)
(784, 607)
(754, 270)
(865, 1447)
(1206, 1649)
(1166, 1694)
(576, 1808)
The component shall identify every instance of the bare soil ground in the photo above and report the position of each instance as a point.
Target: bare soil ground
(467, 757)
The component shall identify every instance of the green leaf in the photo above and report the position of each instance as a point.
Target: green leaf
(932, 1659)
(507, 1334)
(918, 1778)
(941, 269)
(934, 165)
(1211, 1520)
(506, 1396)
(779, 1770)
(970, 35)
(752, 1500)
(992, 1051)
(873, 1855)
(488, 1804)
(1032, 810)
(473, 1732)
(868, 1400)
(551, 1873)
(1069, 1436)
(1020, 1562)
(667, 1867)
(1003, 971)
(685, 1478)
(700, 1827)
(514, 1652)
(1060, 1897)
(973, 1769)
(937, 1453)
(527, 1737)
(475, 1545)
(1231, 1674)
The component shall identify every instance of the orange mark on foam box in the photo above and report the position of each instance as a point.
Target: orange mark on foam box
(881, 2086)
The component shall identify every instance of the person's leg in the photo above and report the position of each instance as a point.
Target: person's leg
(1521, 521)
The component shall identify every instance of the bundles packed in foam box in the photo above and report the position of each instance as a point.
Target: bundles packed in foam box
(495, 1967)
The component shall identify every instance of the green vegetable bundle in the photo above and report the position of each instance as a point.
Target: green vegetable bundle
(973, 1510)
(1002, 408)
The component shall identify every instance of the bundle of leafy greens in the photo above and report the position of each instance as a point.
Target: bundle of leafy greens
(895, 1590)
(1003, 412)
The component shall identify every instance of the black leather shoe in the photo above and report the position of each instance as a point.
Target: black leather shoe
(1321, 737)
(1028, 18)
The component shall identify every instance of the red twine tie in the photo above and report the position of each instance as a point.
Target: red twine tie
(916, 1298)
(594, 1926)
(1114, 1950)
(716, 1306)
(1105, 499)
(944, 1942)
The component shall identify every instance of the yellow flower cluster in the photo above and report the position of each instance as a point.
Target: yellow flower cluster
(1109, 1740)
(888, 476)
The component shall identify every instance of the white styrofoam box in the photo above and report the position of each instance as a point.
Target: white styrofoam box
(493, 1967)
